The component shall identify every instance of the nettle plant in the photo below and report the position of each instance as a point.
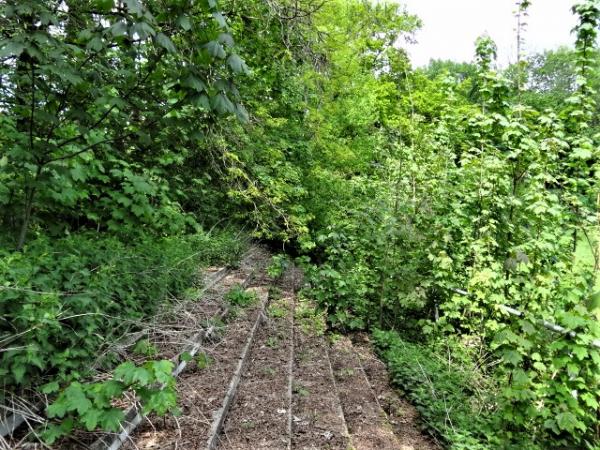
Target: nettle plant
(525, 192)
(91, 406)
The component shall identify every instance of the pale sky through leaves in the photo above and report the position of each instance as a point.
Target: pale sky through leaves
(450, 27)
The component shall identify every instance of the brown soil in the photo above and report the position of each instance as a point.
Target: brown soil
(295, 393)
(259, 417)
(201, 390)
(317, 421)
(367, 422)
(403, 416)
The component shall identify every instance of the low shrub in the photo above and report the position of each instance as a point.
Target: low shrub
(445, 391)
(62, 301)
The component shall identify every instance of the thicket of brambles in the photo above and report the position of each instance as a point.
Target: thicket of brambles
(135, 133)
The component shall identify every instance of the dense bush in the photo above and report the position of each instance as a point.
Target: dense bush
(455, 399)
(447, 394)
(62, 301)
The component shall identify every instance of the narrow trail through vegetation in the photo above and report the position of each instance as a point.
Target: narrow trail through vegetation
(293, 389)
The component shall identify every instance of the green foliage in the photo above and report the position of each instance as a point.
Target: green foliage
(90, 405)
(400, 185)
(445, 386)
(488, 195)
(278, 266)
(203, 361)
(95, 286)
(240, 297)
(144, 347)
(102, 103)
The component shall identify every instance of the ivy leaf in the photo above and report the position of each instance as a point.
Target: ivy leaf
(91, 418)
(78, 173)
(56, 431)
(18, 370)
(237, 64)
(123, 370)
(160, 401)
(76, 399)
(581, 153)
(112, 388)
(580, 352)
(50, 388)
(57, 409)
(566, 421)
(590, 400)
(166, 43)
(512, 357)
(111, 420)
(215, 49)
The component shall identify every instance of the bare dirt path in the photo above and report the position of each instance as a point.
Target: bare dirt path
(402, 416)
(317, 418)
(368, 425)
(259, 419)
(264, 375)
(272, 380)
(202, 387)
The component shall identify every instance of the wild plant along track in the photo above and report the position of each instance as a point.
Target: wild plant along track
(274, 381)
(265, 376)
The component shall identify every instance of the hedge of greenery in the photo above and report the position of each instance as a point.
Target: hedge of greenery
(62, 301)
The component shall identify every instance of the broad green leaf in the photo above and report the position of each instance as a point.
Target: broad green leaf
(202, 101)
(104, 5)
(566, 421)
(76, 399)
(184, 22)
(111, 420)
(195, 83)
(242, 113)
(11, 48)
(95, 44)
(134, 7)
(143, 30)
(237, 64)
(215, 49)
(91, 418)
(165, 43)
(226, 39)
(119, 28)
(220, 19)
(222, 104)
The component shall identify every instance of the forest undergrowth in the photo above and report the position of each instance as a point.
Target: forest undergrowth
(136, 135)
